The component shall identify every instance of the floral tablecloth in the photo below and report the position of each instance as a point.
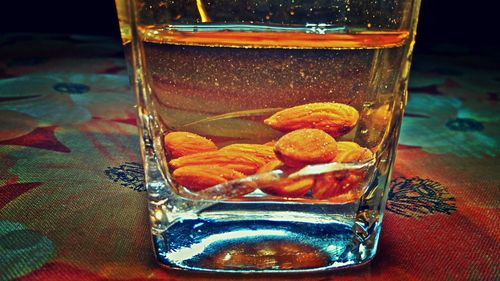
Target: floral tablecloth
(72, 200)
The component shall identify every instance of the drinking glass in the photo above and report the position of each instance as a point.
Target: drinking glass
(268, 128)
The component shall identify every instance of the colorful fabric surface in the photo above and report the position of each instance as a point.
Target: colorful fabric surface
(72, 200)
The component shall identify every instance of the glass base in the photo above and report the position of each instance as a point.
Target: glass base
(219, 240)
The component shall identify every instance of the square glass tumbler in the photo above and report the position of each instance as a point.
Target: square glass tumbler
(268, 128)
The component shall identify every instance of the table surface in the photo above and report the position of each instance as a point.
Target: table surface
(72, 200)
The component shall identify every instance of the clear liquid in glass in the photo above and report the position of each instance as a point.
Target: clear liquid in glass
(221, 83)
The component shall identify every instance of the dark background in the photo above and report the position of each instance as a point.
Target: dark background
(441, 21)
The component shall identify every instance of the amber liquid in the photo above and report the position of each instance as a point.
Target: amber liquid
(222, 84)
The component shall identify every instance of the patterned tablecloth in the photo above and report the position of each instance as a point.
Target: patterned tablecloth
(72, 200)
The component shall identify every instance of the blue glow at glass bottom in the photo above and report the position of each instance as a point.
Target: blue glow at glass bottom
(254, 245)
